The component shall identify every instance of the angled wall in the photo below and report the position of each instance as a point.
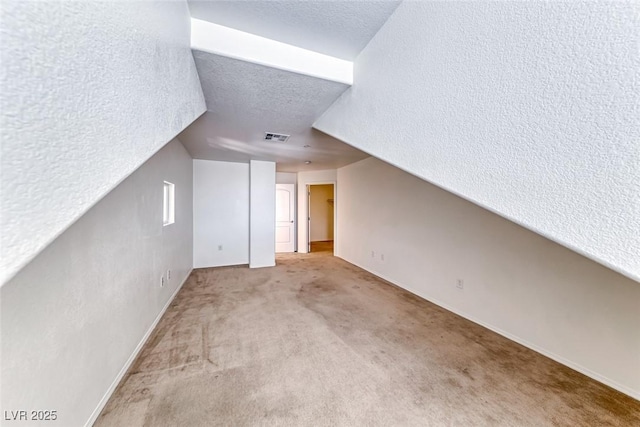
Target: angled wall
(74, 317)
(526, 108)
(90, 91)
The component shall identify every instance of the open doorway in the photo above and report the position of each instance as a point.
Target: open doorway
(321, 218)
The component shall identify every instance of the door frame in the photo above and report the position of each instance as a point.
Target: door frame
(335, 214)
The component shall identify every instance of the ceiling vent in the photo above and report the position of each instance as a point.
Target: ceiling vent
(279, 137)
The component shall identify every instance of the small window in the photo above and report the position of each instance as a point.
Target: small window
(168, 204)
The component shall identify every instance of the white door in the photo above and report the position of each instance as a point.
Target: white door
(285, 217)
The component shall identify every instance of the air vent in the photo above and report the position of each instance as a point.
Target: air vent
(278, 137)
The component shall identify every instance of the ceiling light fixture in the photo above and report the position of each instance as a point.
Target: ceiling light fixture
(308, 162)
(307, 146)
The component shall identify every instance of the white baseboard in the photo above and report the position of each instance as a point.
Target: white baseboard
(96, 413)
(591, 374)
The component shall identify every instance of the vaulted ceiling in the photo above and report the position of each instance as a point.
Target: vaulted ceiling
(245, 99)
(336, 28)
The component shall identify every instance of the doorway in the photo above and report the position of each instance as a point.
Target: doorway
(321, 217)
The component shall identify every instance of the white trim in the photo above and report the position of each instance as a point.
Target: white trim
(594, 375)
(96, 413)
(335, 214)
(232, 43)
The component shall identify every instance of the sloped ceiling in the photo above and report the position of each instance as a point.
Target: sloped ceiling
(336, 28)
(245, 100)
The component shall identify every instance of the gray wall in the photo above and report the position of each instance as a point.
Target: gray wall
(74, 316)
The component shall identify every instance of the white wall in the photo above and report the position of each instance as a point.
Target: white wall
(527, 108)
(72, 318)
(262, 216)
(321, 213)
(515, 282)
(286, 178)
(220, 213)
(90, 91)
(304, 178)
(234, 207)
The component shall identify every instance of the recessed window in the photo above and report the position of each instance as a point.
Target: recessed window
(168, 204)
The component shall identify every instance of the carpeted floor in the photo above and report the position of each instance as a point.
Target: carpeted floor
(317, 341)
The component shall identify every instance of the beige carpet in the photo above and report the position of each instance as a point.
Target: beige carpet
(316, 341)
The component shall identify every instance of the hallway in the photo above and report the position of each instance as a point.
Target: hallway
(318, 341)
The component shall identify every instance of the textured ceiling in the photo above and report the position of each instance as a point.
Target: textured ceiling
(245, 100)
(337, 28)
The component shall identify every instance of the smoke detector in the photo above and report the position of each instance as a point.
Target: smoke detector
(278, 137)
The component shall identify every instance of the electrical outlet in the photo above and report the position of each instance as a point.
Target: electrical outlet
(373, 254)
(460, 284)
(219, 247)
(168, 274)
(381, 257)
(161, 281)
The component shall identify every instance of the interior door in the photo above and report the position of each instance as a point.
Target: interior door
(285, 217)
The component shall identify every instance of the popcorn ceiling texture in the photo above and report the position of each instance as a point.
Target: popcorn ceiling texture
(529, 109)
(244, 100)
(335, 28)
(89, 92)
